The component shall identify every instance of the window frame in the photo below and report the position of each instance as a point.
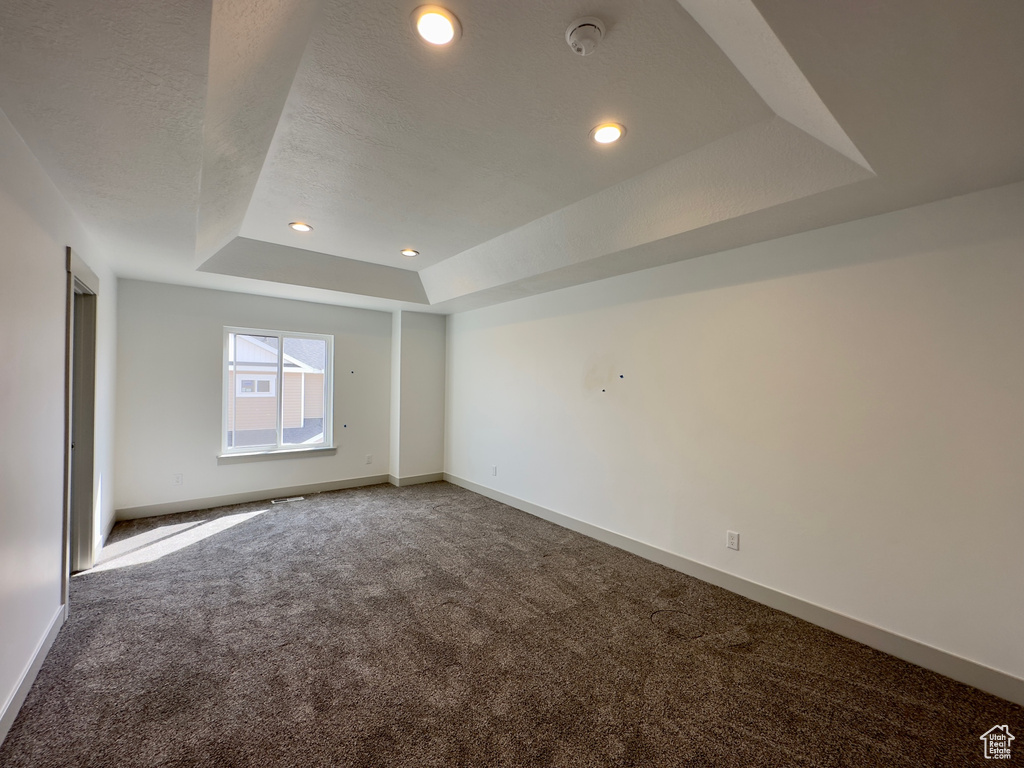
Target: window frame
(278, 394)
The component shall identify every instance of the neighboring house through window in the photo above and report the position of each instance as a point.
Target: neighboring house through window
(277, 390)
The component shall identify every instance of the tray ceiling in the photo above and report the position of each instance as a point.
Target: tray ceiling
(186, 135)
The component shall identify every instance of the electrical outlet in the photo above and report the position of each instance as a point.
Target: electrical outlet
(178, 479)
(369, 458)
(494, 470)
(732, 540)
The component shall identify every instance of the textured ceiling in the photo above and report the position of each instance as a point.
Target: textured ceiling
(188, 133)
(387, 142)
(110, 97)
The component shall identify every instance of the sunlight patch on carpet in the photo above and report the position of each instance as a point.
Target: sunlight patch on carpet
(177, 542)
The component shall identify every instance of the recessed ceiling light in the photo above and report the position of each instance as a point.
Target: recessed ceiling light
(410, 252)
(436, 25)
(607, 133)
(300, 226)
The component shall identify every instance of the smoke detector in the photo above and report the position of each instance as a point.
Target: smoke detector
(584, 34)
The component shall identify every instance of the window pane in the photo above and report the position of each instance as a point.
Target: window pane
(275, 391)
(302, 393)
(252, 408)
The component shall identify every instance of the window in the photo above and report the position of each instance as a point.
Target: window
(247, 385)
(277, 390)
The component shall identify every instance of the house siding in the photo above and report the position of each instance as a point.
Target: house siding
(259, 412)
(292, 396)
(314, 396)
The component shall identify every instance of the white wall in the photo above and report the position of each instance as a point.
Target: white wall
(170, 355)
(851, 400)
(37, 225)
(106, 394)
(418, 391)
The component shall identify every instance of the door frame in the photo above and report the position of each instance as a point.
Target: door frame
(82, 288)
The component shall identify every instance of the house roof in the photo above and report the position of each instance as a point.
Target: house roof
(312, 352)
(187, 135)
(298, 351)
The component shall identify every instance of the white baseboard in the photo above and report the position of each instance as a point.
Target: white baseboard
(956, 667)
(191, 505)
(401, 482)
(13, 704)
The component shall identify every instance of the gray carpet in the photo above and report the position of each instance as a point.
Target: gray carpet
(429, 626)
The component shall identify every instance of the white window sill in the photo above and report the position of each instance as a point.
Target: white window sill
(282, 453)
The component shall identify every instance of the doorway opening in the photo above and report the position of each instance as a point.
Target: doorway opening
(79, 419)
